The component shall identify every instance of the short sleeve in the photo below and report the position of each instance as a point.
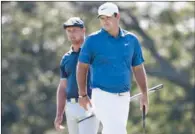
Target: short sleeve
(85, 55)
(63, 74)
(137, 56)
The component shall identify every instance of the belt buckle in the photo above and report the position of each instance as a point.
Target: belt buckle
(73, 100)
(120, 94)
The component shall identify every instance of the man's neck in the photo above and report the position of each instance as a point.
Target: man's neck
(77, 46)
(114, 32)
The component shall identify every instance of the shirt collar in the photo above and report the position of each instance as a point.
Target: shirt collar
(121, 32)
(72, 50)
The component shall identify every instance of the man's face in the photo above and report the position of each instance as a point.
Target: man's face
(109, 22)
(75, 34)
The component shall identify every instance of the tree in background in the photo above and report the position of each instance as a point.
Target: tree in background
(33, 42)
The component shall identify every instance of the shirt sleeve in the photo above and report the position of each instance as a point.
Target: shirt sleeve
(85, 55)
(63, 74)
(137, 56)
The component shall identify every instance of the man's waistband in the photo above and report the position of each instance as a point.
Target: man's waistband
(118, 94)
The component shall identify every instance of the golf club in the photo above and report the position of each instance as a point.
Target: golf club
(134, 97)
(143, 118)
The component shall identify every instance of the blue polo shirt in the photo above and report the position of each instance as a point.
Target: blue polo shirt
(111, 59)
(68, 71)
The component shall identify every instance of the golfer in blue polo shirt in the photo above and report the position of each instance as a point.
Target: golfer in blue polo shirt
(114, 55)
(67, 92)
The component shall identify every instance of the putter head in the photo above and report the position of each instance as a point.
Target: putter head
(89, 114)
(85, 118)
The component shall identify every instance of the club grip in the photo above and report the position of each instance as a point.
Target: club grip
(144, 115)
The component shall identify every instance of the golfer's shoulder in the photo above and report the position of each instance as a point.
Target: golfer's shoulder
(95, 35)
(68, 53)
(129, 34)
(66, 56)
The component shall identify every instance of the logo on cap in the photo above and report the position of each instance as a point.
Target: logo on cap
(103, 8)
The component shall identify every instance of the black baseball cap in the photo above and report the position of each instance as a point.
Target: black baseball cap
(74, 21)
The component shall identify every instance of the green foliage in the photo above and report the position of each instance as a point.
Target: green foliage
(33, 42)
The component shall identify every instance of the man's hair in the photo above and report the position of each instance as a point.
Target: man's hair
(115, 14)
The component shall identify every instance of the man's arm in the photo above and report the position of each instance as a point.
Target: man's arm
(82, 71)
(61, 98)
(81, 74)
(61, 102)
(141, 80)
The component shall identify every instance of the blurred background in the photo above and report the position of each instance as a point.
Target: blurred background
(33, 42)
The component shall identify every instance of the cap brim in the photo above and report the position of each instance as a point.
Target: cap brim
(109, 15)
(65, 26)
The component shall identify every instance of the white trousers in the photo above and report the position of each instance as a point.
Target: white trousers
(112, 110)
(73, 112)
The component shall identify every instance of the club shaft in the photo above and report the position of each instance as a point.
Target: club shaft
(153, 89)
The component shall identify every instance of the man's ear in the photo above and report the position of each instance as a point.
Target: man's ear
(118, 16)
(84, 29)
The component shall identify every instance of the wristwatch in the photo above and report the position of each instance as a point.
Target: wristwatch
(82, 96)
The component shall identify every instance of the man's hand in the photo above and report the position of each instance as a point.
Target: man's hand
(144, 102)
(84, 102)
(57, 123)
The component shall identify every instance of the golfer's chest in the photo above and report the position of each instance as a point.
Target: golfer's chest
(70, 64)
(115, 49)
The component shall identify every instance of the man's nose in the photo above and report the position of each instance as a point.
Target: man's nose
(71, 34)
